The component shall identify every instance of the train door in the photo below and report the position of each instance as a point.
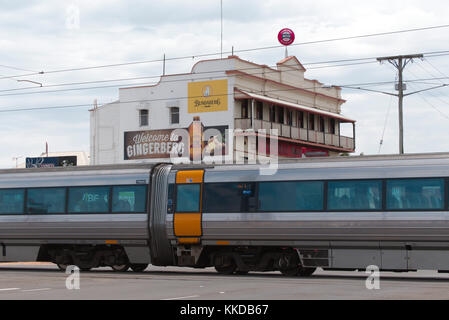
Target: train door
(188, 217)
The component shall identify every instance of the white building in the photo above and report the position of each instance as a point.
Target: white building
(228, 93)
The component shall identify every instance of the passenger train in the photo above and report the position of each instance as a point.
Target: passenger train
(343, 213)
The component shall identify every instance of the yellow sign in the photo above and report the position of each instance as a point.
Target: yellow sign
(208, 96)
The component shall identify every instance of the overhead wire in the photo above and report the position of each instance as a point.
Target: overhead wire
(11, 109)
(432, 105)
(349, 86)
(234, 51)
(430, 93)
(421, 95)
(263, 72)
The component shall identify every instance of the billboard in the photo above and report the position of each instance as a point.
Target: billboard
(179, 142)
(50, 162)
(207, 96)
(151, 144)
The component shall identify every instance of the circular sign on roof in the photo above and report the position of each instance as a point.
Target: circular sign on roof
(286, 36)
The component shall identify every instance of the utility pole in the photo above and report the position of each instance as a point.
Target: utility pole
(399, 62)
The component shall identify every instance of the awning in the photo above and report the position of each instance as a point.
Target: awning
(246, 95)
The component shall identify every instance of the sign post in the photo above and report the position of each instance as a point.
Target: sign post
(286, 37)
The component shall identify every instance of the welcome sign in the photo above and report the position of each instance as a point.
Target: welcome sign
(151, 144)
(164, 143)
(208, 96)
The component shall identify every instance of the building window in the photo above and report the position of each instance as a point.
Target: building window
(259, 110)
(290, 117)
(272, 113)
(281, 115)
(300, 123)
(245, 109)
(311, 121)
(143, 117)
(174, 115)
(321, 124)
(332, 125)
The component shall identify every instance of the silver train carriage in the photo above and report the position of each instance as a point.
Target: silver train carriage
(341, 213)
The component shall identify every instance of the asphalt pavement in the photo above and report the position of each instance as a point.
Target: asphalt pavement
(43, 281)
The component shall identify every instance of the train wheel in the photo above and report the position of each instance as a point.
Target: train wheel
(62, 267)
(139, 267)
(120, 267)
(288, 264)
(225, 264)
(306, 272)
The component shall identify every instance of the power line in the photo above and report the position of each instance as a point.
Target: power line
(177, 80)
(348, 86)
(430, 93)
(197, 73)
(9, 109)
(433, 106)
(130, 84)
(15, 68)
(435, 68)
(228, 52)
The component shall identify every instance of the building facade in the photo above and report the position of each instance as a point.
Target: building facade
(227, 106)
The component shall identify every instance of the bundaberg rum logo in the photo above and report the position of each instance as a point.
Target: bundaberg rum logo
(208, 96)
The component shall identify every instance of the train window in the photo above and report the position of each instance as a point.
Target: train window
(406, 194)
(11, 201)
(128, 198)
(228, 197)
(291, 196)
(46, 200)
(88, 199)
(188, 197)
(354, 195)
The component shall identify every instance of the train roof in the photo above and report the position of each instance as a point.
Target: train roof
(341, 161)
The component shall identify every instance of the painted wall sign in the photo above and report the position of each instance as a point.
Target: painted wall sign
(163, 143)
(286, 36)
(151, 144)
(207, 96)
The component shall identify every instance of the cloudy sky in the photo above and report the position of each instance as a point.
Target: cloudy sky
(55, 35)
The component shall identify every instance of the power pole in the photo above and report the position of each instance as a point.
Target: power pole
(399, 62)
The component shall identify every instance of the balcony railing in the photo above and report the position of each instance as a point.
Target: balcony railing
(298, 133)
